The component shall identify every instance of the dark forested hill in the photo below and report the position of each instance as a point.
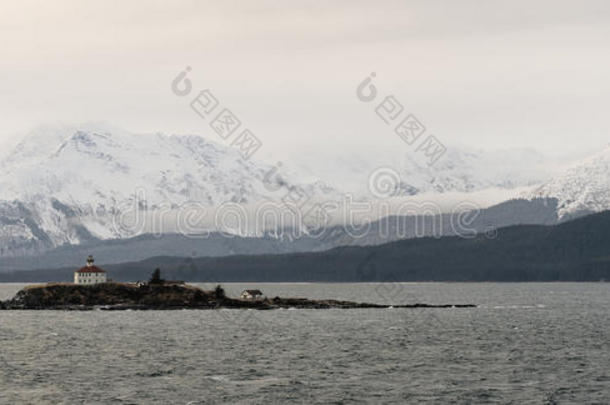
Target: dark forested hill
(387, 229)
(578, 250)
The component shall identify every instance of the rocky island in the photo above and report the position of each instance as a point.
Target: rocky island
(164, 296)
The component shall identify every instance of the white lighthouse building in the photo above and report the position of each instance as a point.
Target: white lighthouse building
(90, 274)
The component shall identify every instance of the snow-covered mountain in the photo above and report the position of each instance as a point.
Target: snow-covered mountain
(68, 185)
(459, 170)
(583, 188)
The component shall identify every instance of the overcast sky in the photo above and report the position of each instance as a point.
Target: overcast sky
(490, 74)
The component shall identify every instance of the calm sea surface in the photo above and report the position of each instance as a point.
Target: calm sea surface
(540, 343)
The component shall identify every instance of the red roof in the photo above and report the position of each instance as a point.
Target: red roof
(90, 269)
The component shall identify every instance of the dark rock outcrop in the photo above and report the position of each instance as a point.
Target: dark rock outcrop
(117, 296)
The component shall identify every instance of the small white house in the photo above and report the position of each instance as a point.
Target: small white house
(251, 294)
(90, 274)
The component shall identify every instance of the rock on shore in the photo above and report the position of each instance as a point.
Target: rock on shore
(117, 296)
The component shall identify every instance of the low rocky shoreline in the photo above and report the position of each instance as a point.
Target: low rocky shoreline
(124, 296)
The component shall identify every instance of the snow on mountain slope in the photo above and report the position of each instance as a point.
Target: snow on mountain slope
(65, 186)
(104, 168)
(460, 169)
(582, 188)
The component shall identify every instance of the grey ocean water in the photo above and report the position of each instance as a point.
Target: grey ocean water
(525, 343)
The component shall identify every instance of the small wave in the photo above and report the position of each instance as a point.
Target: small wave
(219, 378)
(514, 307)
(157, 373)
(261, 381)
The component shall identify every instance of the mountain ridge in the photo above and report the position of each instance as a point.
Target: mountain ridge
(76, 184)
(576, 250)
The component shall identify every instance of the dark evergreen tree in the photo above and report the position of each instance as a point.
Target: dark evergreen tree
(219, 292)
(156, 277)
